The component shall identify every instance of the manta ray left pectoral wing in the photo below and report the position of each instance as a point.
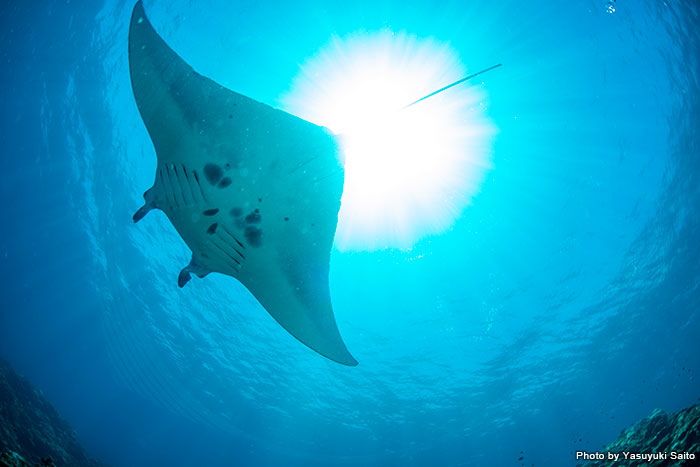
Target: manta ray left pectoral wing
(253, 191)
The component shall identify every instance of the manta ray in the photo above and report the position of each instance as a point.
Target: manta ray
(253, 191)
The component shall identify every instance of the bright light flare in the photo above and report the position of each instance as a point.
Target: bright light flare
(408, 173)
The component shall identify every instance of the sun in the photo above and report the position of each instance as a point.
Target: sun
(409, 172)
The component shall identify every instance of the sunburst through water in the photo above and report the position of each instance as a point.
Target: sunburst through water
(410, 172)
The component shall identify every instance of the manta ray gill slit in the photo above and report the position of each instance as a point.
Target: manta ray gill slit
(412, 166)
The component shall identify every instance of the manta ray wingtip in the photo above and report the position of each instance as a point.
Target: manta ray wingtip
(347, 360)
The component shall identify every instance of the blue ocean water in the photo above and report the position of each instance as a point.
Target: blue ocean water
(561, 307)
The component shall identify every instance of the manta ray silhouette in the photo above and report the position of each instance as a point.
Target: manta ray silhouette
(252, 190)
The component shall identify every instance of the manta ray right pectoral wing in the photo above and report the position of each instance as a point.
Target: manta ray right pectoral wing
(253, 191)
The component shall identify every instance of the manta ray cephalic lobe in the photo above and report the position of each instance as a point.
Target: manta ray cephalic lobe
(252, 190)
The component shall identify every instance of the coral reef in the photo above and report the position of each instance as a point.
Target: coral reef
(657, 440)
(31, 431)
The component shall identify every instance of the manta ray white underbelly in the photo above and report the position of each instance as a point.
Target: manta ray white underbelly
(252, 190)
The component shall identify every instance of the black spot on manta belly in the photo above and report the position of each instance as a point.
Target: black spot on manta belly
(226, 181)
(236, 212)
(213, 173)
(212, 228)
(253, 217)
(211, 212)
(253, 235)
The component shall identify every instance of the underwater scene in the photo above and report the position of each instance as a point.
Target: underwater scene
(382, 233)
